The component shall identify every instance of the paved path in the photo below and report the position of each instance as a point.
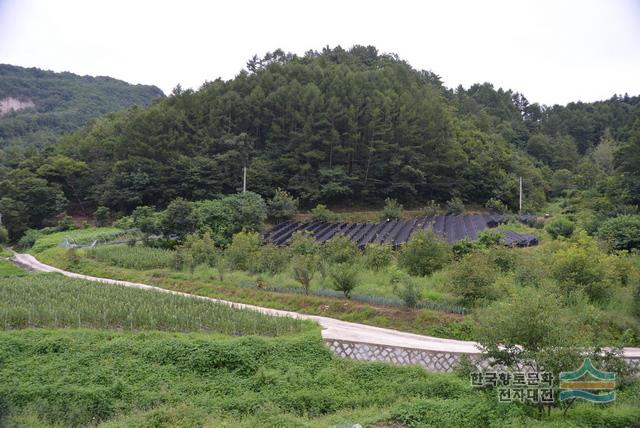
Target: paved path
(332, 329)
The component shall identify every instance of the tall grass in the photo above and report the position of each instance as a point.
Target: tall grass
(8, 269)
(54, 301)
(132, 257)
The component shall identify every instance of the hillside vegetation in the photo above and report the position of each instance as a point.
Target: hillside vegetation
(58, 103)
(341, 127)
(98, 375)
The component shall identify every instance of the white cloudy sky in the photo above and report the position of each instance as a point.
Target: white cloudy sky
(551, 50)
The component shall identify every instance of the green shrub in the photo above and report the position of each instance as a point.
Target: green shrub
(304, 267)
(340, 249)
(322, 214)
(621, 233)
(636, 300)
(496, 205)
(102, 215)
(472, 277)
(272, 259)
(560, 226)
(29, 239)
(378, 256)
(282, 206)
(424, 253)
(345, 278)
(455, 206)
(179, 219)
(243, 251)
(408, 291)
(392, 210)
(303, 243)
(530, 271)
(65, 223)
(489, 238)
(463, 247)
(578, 268)
(505, 259)
(4, 235)
(432, 209)
(249, 211)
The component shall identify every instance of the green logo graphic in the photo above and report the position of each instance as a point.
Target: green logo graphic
(596, 385)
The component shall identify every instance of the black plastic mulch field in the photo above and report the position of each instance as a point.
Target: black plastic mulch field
(453, 228)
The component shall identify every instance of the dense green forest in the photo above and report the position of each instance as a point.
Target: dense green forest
(61, 103)
(341, 127)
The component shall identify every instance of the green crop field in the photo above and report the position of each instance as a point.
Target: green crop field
(52, 300)
(132, 257)
(78, 353)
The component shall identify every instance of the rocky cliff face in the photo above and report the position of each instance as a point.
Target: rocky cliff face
(9, 104)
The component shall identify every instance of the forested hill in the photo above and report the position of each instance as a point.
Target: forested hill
(338, 127)
(37, 106)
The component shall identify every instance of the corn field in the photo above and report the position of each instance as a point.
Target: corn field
(53, 301)
(132, 257)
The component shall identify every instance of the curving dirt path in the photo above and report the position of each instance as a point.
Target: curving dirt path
(331, 328)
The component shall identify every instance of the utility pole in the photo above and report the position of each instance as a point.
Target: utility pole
(520, 209)
(244, 179)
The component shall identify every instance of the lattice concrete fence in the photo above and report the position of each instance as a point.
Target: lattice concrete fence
(437, 361)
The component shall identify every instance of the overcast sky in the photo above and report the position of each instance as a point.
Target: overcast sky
(552, 51)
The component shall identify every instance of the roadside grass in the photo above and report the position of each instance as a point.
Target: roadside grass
(8, 269)
(55, 301)
(112, 379)
(4, 252)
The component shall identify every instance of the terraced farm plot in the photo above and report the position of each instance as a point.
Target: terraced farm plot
(55, 301)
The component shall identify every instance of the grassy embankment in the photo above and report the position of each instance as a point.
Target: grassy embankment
(144, 358)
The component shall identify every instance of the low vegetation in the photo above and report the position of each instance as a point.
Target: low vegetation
(182, 376)
(54, 301)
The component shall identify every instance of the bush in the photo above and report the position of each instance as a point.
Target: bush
(321, 214)
(462, 248)
(282, 206)
(472, 277)
(408, 291)
(304, 268)
(577, 268)
(102, 215)
(560, 226)
(392, 210)
(178, 219)
(28, 239)
(65, 223)
(249, 211)
(489, 238)
(636, 300)
(621, 233)
(496, 206)
(431, 209)
(303, 243)
(505, 259)
(4, 235)
(243, 251)
(272, 259)
(340, 249)
(455, 206)
(378, 256)
(424, 254)
(345, 278)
